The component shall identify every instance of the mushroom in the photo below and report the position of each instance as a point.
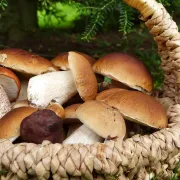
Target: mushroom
(100, 121)
(126, 69)
(42, 125)
(51, 87)
(57, 108)
(22, 103)
(5, 105)
(10, 123)
(83, 75)
(106, 93)
(10, 83)
(71, 119)
(138, 107)
(23, 90)
(61, 60)
(25, 62)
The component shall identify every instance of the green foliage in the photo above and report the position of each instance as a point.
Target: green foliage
(126, 18)
(99, 12)
(3, 4)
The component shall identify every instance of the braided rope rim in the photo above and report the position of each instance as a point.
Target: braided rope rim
(136, 156)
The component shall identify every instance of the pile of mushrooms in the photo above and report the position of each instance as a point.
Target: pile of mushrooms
(61, 100)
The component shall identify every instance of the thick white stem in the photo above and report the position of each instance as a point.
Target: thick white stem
(83, 135)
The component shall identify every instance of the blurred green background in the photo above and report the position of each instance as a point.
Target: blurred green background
(48, 27)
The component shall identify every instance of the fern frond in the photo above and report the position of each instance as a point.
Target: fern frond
(126, 18)
(3, 4)
(98, 15)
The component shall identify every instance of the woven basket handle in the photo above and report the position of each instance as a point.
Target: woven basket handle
(167, 37)
(158, 152)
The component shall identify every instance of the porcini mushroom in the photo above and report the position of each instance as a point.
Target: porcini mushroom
(10, 83)
(42, 125)
(100, 121)
(83, 75)
(51, 87)
(138, 107)
(10, 123)
(126, 69)
(5, 105)
(61, 60)
(57, 108)
(25, 62)
(71, 120)
(109, 92)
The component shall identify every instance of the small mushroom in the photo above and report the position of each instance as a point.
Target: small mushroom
(51, 87)
(42, 125)
(126, 69)
(25, 62)
(106, 93)
(83, 75)
(10, 123)
(138, 107)
(10, 83)
(100, 121)
(5, 105)
(61, 60)
(57, 108)
(71, 120)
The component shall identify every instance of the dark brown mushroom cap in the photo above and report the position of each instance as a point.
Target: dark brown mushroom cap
(42, 125)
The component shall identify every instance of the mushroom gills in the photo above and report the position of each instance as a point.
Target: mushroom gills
(83, 135)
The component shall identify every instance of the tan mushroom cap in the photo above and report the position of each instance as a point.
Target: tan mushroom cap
(101, 118)
(25, 62)
(106, 93)
(125, 68)
(10, 83)
(70, 114)
(61, 60)
(57, 108)
(84, 77)
(139, 107)
(10, 123)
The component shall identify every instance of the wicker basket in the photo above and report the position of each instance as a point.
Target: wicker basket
(136, 157)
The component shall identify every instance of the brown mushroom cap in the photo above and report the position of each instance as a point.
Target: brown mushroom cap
(139, 107)
(42, 125)
(70, 114)
(101, 118)
(10, 123)
(57, 108)
(84, 76)
(61, 60)
(125, 68)
(106, 93)
(25, 62)
(10, 82)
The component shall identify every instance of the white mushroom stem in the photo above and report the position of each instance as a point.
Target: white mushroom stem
(83, 135)
(54, 86)
(5, 105)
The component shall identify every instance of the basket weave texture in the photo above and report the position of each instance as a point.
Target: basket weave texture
(136, 157)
